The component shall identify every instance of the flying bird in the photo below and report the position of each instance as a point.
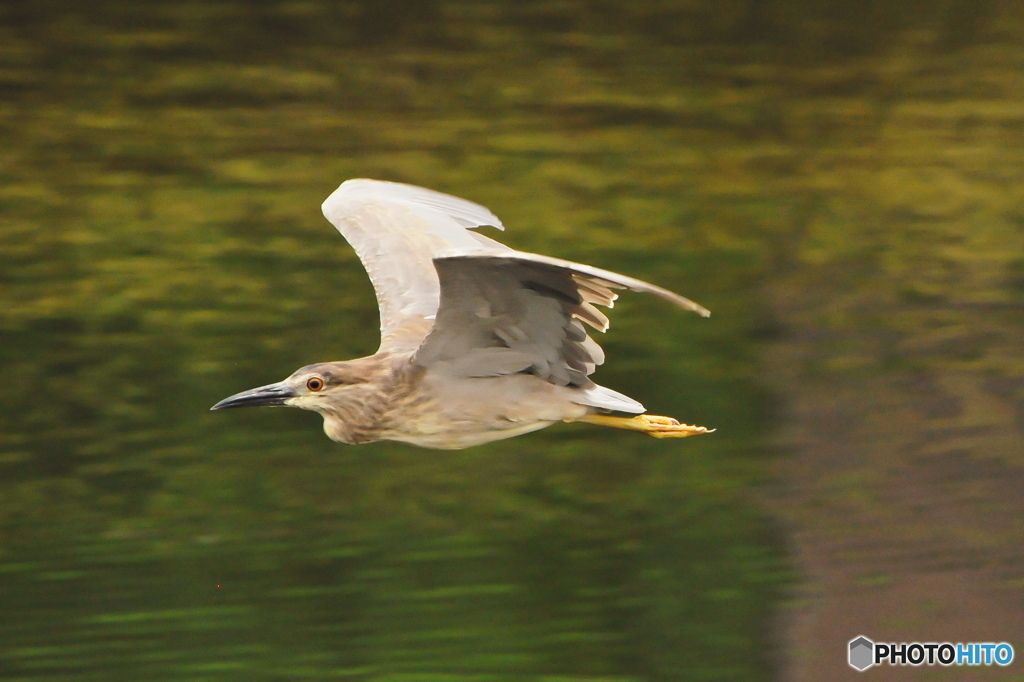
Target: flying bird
(479, 342)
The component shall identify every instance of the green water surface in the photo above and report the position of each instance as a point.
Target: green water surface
(161, 247)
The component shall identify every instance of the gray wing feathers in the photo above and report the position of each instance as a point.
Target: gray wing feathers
(528, 312)
(397, 230)
(497, 311)
(597, 283)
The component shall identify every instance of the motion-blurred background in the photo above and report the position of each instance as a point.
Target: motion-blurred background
(840, 181)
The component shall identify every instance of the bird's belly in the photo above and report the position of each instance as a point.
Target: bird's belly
(454, 439)
(473, 411)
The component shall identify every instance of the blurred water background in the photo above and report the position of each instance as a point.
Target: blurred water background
(838, 181)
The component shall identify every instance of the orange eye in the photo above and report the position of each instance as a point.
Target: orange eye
(315, 383)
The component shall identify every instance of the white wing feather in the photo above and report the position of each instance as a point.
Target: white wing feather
(397, 230)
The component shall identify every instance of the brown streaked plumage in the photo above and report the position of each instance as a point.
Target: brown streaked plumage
(478, 342)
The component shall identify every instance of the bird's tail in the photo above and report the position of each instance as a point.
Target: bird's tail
(607, 399)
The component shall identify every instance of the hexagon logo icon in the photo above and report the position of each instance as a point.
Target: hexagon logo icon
(861, 654)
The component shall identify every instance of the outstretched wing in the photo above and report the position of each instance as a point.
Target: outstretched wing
(510, 312)
(397, 230)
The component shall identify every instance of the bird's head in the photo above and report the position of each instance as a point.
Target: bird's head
(323, 388)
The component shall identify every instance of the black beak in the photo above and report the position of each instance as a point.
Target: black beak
(271, 394)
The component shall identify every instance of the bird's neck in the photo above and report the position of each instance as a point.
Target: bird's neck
(365, 414)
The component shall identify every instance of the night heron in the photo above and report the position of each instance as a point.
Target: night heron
(478, 342)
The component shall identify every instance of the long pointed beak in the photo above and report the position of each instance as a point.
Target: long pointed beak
(271, 394)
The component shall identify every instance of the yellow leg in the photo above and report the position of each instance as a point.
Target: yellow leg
(652, 425)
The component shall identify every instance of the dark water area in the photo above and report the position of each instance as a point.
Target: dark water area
(838, 182)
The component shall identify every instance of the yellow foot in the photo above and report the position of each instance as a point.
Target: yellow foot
(651, 424)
